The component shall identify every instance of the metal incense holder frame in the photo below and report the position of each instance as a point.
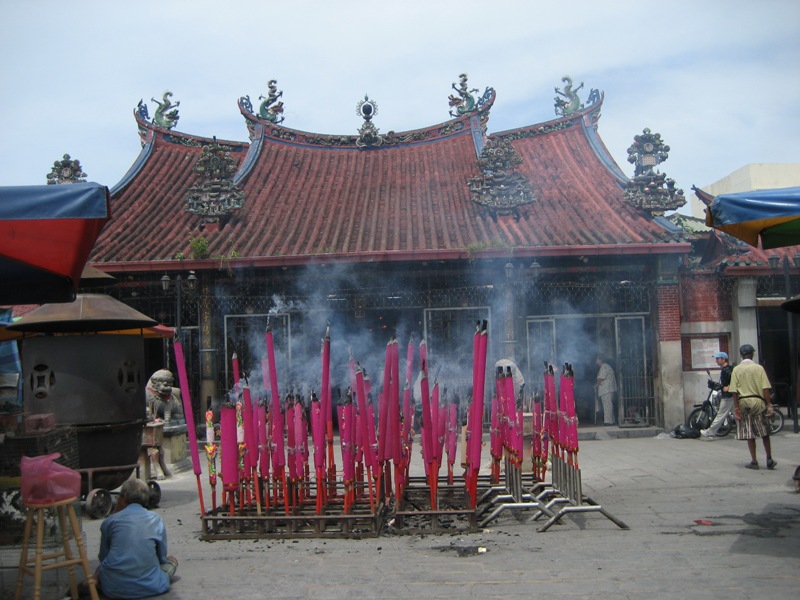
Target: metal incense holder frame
(414, 513)
(522, 492)
(567, 490)
(301, 520)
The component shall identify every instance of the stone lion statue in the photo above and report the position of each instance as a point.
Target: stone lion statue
(163, 400)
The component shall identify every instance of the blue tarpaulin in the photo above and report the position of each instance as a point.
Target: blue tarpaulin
(773, 216)
(46, 235)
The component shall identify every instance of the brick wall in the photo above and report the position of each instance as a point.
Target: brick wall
(669, 312)
(703, 299)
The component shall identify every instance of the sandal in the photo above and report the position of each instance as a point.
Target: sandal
(752, 465)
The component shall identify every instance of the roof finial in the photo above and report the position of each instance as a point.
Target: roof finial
(573, 103)
(66, 170)
(167, 113)
(649, 188)
(271, 108)
(368, 134)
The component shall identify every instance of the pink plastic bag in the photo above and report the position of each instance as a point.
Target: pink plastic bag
(44, 481)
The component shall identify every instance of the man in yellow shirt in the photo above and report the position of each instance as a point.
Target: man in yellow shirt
(752, 404)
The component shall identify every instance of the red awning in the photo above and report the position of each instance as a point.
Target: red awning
(46, 235)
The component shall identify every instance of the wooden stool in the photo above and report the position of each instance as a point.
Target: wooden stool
(35, 567)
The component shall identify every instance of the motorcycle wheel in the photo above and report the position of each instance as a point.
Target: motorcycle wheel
(698, 419)
(725, 428)
(775, 421)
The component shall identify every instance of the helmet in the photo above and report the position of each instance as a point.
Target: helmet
(747, 350)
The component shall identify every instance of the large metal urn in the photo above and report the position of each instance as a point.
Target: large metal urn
(93, 381)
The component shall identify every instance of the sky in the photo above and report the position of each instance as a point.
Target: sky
(718, 79)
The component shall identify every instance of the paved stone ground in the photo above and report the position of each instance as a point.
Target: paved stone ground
(660, 487)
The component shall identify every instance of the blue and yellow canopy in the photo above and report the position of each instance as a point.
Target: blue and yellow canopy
(771, 216)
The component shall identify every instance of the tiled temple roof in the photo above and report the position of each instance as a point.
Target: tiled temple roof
(310, 197)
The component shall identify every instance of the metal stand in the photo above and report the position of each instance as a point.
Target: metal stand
(511, 497)
(302, 520)
(567, 483)
(414, 514)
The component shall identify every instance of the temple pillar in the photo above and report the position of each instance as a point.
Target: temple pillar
(669, 373)
(208, 379)
(745, 316)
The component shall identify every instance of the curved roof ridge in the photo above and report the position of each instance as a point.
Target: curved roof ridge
(589, 123)
(390, 139)
(557, 124)
(148, 143)
(181, 138)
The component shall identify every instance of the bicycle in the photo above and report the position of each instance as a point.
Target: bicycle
(776, 421)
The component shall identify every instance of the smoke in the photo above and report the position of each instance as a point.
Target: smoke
(328, 293)
(319, 297)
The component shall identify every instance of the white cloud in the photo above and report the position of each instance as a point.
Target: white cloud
(717, 79)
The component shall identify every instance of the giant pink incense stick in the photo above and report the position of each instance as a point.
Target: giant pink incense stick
(301, 444)
(263, 449)
(230, 453)
(291, 447)
(472, 416)
(317, 431)
(495, 438)
(318, 439)
(361, 397)
(451, 439)
(180, 361)
(536, 442)
(515, 420)
(393, 424)
(250, 458)
(383, 404)
(428, 427)
(327, 409)
(407, 429)
(406, 433)
(436, 447)
(250, 439)
(477, 398)
(347, 427)
(548, 415)
(571, 425)
(278, 456)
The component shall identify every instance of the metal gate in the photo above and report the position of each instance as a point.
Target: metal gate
(636, 403)
(541, 347)
(448, 333)
(245, 335)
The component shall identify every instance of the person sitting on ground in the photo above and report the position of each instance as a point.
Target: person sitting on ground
(133, 548)
(752, 404)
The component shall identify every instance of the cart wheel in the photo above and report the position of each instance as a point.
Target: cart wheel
(155, 493)
(98, 503)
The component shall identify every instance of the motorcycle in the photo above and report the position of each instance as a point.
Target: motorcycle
(704, 414)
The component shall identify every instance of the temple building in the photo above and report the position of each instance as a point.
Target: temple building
(417, 233)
